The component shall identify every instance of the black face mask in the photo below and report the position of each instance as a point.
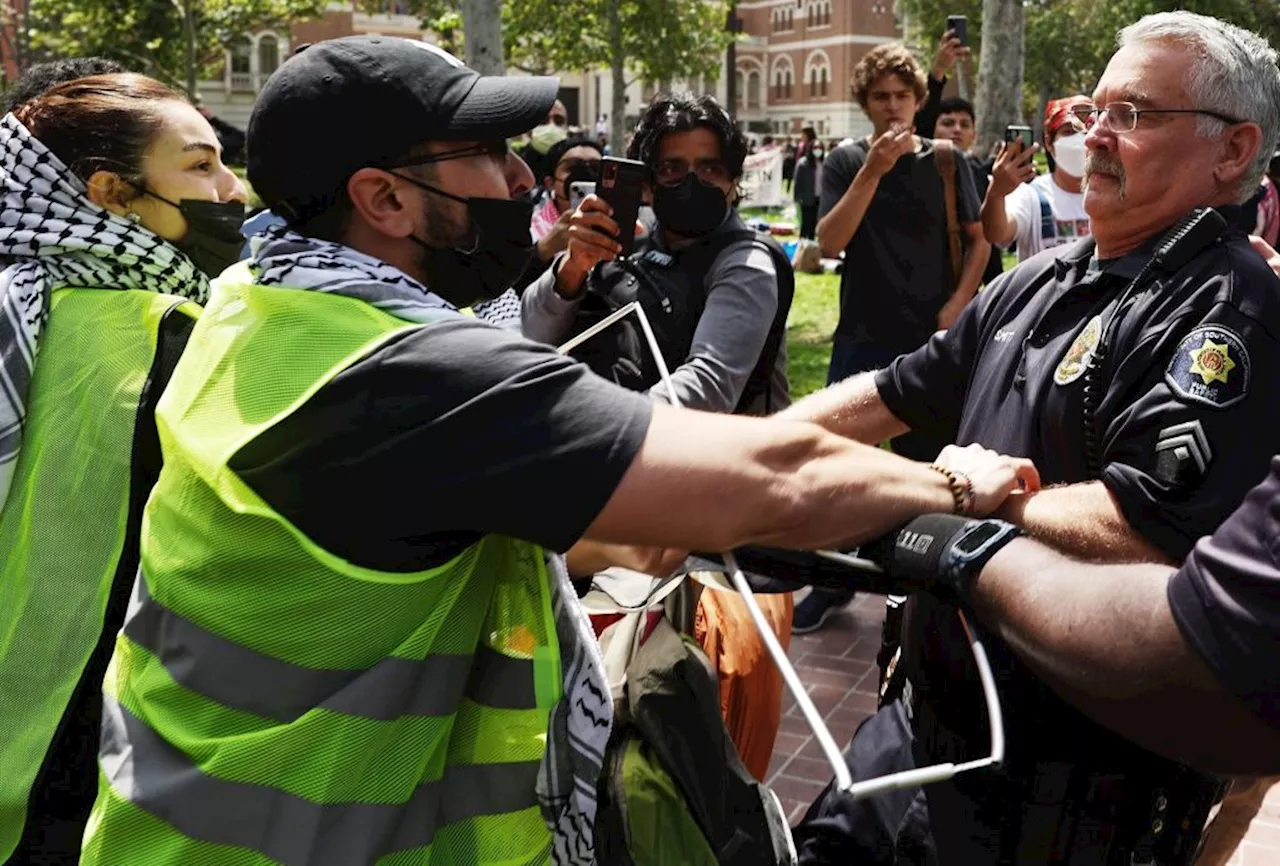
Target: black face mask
(690, 207)
(213, 241)
(501, 252)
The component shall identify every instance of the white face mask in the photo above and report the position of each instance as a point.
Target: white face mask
(1069, 153)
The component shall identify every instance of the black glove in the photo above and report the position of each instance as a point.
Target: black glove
(940, 553)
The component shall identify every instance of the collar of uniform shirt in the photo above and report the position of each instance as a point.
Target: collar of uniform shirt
(1127, 266)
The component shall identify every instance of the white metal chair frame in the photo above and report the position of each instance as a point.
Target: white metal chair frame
(844, 780)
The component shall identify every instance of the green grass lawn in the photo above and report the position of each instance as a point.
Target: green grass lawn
(809, 328)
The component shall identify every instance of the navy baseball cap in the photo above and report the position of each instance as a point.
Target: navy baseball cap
(340, 105)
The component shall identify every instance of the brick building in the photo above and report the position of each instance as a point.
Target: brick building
(253, 57)
(795, 65)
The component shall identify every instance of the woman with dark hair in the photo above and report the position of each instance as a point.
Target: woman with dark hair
(114, 211)
(719, 303)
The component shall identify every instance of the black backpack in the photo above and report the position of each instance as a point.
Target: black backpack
(672, 291)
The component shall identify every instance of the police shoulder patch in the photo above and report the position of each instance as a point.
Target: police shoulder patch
(1210, 366)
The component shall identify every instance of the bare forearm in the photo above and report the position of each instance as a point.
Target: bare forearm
(996, 225)
(714, 482)
(850, 494)
(851, 408)
(975, 263)
(1104, 638)
(841, 223)
(1082, 520)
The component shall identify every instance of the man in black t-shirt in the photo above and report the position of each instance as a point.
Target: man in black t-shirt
(883, 204)
(393, 470)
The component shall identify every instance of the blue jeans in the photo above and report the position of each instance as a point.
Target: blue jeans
(849, 359)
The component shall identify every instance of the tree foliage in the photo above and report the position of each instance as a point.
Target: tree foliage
(653, 40)
(1068, 42)
(150, 35)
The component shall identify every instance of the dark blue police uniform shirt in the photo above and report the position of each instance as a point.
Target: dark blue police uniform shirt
(1009, 375)
(1193, 364)
(1226, 600)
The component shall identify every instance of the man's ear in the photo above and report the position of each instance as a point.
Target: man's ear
(110, 192)
(380, 202)
(1240, 145)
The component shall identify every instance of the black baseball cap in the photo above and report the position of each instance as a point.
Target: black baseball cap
(343, 104)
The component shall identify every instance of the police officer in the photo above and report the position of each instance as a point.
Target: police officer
(346, 643)
(1131, 371)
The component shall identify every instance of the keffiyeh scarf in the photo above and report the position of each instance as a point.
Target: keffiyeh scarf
(53, 237)
(579, 725)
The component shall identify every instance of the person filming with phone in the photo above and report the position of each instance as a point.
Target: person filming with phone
(1045, 211)
(718, 296)
(574, 160)
(721, 278)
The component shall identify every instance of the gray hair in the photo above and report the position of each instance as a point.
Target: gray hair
(1235, 73)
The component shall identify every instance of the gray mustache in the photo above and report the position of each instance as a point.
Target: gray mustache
(1096, 162)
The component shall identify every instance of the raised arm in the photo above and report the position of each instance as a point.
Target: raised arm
(704, 481)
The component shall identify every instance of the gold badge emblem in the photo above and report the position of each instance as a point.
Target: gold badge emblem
(1076, 360)
(1212, 362)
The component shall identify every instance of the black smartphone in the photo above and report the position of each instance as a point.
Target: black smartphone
(960, 24)
(621, 185)
(1014, 133)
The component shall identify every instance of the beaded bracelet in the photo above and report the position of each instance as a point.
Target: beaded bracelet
(961, 488)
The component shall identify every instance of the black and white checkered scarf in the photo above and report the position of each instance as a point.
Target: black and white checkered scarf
(53, 237)
(579, 725)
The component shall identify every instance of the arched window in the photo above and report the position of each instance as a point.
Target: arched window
(753, 90)
(740, 94)
(268, 55)
(817, 72)
(783, 75)
(240, 64)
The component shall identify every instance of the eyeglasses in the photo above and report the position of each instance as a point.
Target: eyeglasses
(672, 171)
(497, 148)
(1123, 117)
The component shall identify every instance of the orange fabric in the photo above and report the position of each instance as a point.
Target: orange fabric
(750, 684)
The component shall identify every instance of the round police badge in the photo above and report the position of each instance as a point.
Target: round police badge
(1210, 366)
(1076, 360)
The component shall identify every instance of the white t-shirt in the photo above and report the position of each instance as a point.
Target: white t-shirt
(1023, 208)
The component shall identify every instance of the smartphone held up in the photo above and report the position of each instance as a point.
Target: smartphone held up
(578, 192)
(959, 24)
(621, 186)
(1022, 134)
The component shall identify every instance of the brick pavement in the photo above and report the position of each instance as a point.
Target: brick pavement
(837, 664)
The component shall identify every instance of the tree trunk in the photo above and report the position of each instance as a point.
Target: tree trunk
(618, 66)
(482, 36)
(999, 91)
(731, 64)
(189, 34)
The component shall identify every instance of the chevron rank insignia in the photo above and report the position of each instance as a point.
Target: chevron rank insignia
(1210, 366)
